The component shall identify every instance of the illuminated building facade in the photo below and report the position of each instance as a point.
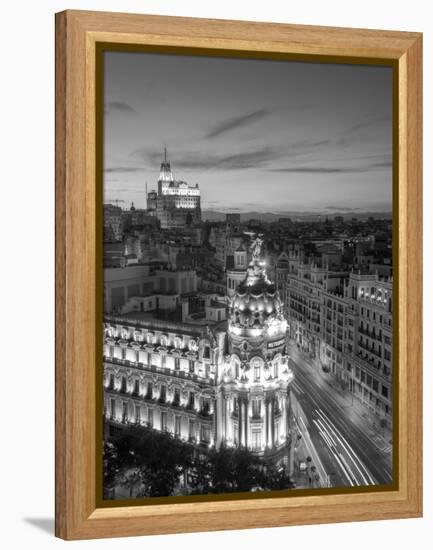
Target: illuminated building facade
(177, 203)
(255, 399)
(344, 322)
(163, 375)
(210, 384)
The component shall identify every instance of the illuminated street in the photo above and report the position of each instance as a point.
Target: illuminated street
(359, 457)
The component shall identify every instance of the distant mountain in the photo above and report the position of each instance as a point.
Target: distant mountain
(218, 216)
(213, 216)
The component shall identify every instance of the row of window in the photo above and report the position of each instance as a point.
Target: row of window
(151, 338)
(138, 356)
(371, 399)
(140, 419)
(152, 393)
(256, 406)
(331, 304)
(257, 442)
(371, 314)
(371, 382)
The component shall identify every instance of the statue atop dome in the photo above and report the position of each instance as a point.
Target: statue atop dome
(256, 272)
(256, 248)
(256, 305)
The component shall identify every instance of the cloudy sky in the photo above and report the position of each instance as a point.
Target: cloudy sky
(255, 135)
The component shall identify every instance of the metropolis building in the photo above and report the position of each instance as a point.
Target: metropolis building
(222, 383)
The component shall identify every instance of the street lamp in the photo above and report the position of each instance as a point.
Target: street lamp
(329, 478)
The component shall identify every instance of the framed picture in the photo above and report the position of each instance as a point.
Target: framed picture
(238, 274)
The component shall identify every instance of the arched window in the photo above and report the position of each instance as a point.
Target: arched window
(256, 365)
(235, 364)
(192, 344)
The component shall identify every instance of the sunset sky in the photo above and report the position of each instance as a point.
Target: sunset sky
(255, 135)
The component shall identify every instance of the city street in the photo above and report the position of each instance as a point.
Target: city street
(350, 453)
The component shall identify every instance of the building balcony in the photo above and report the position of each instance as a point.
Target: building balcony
(370, 333)
(116, 361)
(162, 370)
(369, 349)
(205, 414)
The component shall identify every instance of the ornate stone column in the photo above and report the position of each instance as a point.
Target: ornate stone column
(273, 421)
(246, 422)
(218, 405)
(284, 416)
(229, 432)
(268, 423)
(240, 423)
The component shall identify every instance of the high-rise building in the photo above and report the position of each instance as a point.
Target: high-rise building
(177, 203)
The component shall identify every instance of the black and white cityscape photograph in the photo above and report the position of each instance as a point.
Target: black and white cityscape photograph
(247, 265)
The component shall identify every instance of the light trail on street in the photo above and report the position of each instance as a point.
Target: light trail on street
(340, 436)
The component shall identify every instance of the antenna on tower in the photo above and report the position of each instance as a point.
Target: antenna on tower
(147, 206)
(165, 154)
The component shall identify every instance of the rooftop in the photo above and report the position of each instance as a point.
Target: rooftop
(146, 320)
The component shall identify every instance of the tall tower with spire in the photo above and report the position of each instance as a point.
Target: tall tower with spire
(165, 174)
(177, 203)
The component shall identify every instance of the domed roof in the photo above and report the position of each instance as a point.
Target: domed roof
(256, 300)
